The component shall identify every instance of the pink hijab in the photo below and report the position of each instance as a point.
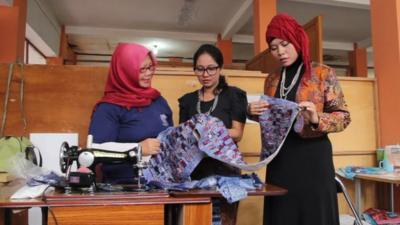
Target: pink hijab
(122, 87)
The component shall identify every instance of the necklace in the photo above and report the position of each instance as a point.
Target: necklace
(284, 91)
(215, 102)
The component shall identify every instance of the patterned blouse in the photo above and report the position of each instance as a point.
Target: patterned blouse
(323, 89)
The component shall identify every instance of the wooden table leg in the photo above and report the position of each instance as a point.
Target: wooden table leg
(197, 214)
(7, 216)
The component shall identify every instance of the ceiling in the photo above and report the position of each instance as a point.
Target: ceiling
(178, 27)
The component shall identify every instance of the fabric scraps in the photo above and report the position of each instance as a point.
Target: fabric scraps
(232, 188)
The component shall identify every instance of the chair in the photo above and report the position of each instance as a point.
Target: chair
(341, 188)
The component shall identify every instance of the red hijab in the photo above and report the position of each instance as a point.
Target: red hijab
(122, 87)
(285, 27)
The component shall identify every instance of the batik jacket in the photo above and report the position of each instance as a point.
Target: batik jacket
(323, 89)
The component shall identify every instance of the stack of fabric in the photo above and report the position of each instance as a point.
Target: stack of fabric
(381, 217)
(351, 171)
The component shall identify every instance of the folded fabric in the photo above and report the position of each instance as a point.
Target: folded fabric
(232, 193)
(232, 188)
(50, 178)
(351, 171)
(381, 217)
(235, 188)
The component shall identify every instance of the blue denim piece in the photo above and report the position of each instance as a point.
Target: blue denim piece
(232, 188)
(235, 188)
(50, 178)
(232, 192)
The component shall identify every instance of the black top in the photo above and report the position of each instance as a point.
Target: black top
(232, 103)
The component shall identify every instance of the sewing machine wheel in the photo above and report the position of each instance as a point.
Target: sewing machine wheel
(64, 157)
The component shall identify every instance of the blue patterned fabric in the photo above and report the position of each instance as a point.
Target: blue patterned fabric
(351, 171)
(184, 146)
(275, 124)
(233, 188)
(45, 177)
(178, 157)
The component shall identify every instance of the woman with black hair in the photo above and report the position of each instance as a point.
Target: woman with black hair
(217, 99)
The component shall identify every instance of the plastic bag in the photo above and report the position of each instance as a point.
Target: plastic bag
(9, 147)
(19, 167)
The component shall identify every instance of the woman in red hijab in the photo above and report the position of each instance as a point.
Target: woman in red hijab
(131, 111)
(304, 164)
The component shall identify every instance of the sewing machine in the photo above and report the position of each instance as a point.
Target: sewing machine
(84, 178)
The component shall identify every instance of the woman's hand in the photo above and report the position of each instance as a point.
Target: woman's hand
(309, 112)
(257, 108)
(236, 132)
(150, 146)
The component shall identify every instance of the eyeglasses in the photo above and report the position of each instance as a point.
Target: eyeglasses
(150, 68)
(211, 70)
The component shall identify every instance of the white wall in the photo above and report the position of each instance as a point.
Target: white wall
(43, 21)
(35, 57)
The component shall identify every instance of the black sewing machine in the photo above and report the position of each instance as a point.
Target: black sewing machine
(85, 180)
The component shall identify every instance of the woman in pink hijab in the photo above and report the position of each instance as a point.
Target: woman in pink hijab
(131, 111)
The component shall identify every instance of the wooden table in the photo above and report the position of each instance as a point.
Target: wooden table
(389, 178)
(7, 204)
(267, 190)
(121, 208)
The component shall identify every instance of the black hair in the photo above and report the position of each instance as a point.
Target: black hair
(216, 54)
